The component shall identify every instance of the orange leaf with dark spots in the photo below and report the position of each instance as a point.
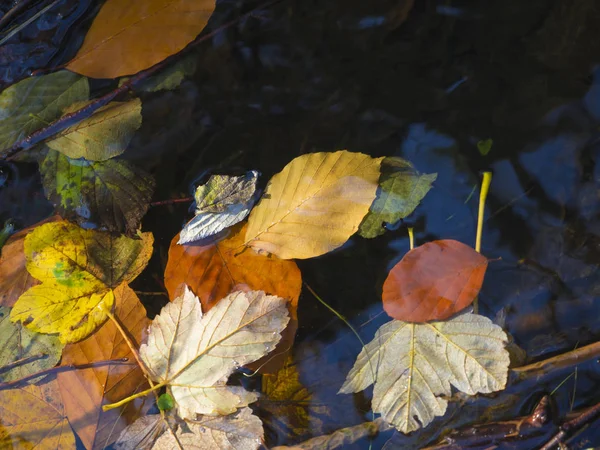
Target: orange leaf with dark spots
(433, 281)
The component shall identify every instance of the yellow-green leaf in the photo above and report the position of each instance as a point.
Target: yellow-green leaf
(102, 136)
(314, 204)
(78, 269)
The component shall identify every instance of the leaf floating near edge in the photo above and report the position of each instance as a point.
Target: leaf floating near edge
(400, 191)
(413, 366)
(433, 281)
(221, 202)
(314, 204)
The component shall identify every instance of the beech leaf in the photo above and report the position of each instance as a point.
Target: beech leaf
(433, 281)
(35, 102)
(314, 204)
(111, 194)
(400, 191)
(194, 353)
(413, 365)
(123, 38)
(221, 202)
(78, 269)
(240, 430)
(102, 136)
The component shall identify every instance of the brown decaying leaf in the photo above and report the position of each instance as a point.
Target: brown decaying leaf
(14, 277)
(433, 281)
(85, 391)
(129, 36)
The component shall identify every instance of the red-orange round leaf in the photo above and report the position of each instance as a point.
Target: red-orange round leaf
(433, 281)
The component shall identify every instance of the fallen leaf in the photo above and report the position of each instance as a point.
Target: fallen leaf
(141, 434)
(35, 102)
(400, 191)
(112, 194)
(413, 365)
(194, 353)
(84, 391)
(33, 417)
(240, 430)
(103, 135)
(38, 351)
(123, 38)
(78, 269)
(167, 79)
(433, 281)
(314, 204)
(221, 202)
(485, 146)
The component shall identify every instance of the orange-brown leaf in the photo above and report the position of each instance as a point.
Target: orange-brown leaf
(433, 281)
(129, 36)
(85, 391)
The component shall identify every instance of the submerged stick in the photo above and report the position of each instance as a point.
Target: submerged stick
(574, 357)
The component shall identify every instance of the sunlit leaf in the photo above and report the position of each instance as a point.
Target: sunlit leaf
(78, 269)
(35, 102)
(433, 281)
(123, 38)
(314, 204)
(84, 391)
(32, 417)
(412, 367)
(23, 352)
(221, 202)
(240, 430)
(101, 136)
(112, 194)
(194, 353)
(141, 434)
(400, 191)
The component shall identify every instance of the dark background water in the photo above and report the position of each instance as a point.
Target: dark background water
(425, 82)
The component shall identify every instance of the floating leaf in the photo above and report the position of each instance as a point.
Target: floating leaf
(79, 270)
(123, 38)
(433, 281)
(112, 194)
(35, 102)
(194, 353)
(400, 191)
(413, 365)
(33, 417)
(241, 430)
(35, 351)
(142, 433)
(314, 204)
(102, 136)
(221, 202)
(85, 390)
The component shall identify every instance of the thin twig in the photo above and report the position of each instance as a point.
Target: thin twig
(6, 18)
(65, 368)
(575, 424)
(172, 201)
(22, 361)
(28, 21)
(574, 357)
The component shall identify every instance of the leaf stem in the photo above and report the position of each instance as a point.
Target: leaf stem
(172, 201)
(485, 187)
(411, 237)
(133, 397)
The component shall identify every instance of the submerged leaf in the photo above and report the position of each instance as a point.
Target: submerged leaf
(240, 430)
(413, 365)
(123, 38)
(314, 204)
(400, 191)
(433, 281)
(194, 354)
(167, 79)
(112, 194)
(35, 351)
(221, 202)
(35, 102)
(102, 136)
(79, 270)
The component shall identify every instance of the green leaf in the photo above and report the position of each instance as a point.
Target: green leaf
(165, 402)
(413, 365)
(167, 79)
(35, 102)
(104, 135)
(35, 351)
(485, 146)
(112, 194)
(400, 191)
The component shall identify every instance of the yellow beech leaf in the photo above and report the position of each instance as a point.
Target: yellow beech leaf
(314, 204)
(78, 269)
(129, 36)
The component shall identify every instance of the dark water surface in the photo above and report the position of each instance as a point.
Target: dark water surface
(425, 83)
